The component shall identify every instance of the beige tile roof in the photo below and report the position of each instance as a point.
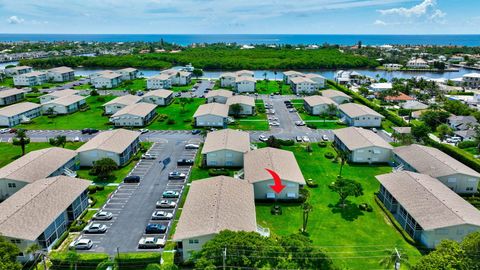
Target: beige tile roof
(130, 69)
(216, 204)
(18, 67)
(33, 73)
(357, 110)
(313, 75)
(37, 164)
(219, 93)
(402, 130)
(227, 139)
(244, 78)
(110, 75)
(124, 100)
(162, 93)
(292, 72)
(173, 72)
(115, 141)
(318, 100)
(301, 80)
(63, 93)
(61, 70)
(243, 72)
(432, 204)
(334, 93)
(10, 92)
(241, 99)
(18, 108)
(28, 213)
(66, 100)
(141, 109)
(281, 161)
(357, 138)
(228, 74)
(431, 161)
(212, 108)
(160, 77)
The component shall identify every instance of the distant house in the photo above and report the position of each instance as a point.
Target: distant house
(225, 148)
(392, 66)
(360, 115)
(218, 96)
(362, 145)
(316, 105)
(128, 74)
(427, 210)
(227, 79)
(159, 97)
(119, 145)
(414, 105)
(427, 160)
(245, 84)
(417, 63)
(61, 74)
(401, 97)
(283, 163)
(349, 77)
(10, 96)
(64, 105)
(462, 122)
(119, 103)
(41, 212)
(471, 80)
(58, 94)
(318, 79)
(134, 115)
(247, 104)
(380, 87)
(211, 115)
(245, 73)
(18, 70)
(36, 165)
(161, 81)
(213, 205)
(17, 113)
(33, 78)
(288, 75)
(399, 131)
(466, 135)
(337, 96)
(106, 79)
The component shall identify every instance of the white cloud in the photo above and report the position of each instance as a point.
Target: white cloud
(418, 10)
(15, 20)
(379, 22)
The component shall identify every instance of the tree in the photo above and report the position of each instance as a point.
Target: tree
(8, 255)
(236, 109)
(324, 116)
(420, 132)
(332, 109)
(21, 139)
(72, 259)
(104, 167)
(434, 118)
(265, 75)
(443, 131)
(273, 142)
(59, 140)
(197, 73)
(35, 250)
(343, 156)
(471, 245)
(363, 91)
(306, 209)
(183, 102)
(346, 188)
(447, 255)
(50, 111)
(393, 256)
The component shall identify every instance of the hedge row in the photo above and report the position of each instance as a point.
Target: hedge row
(84, 261)
(456, 153)
(138, 260)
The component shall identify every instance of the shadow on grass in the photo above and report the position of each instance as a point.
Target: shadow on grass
(349, 211)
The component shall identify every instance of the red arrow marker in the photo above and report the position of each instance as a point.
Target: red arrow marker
(277, 187)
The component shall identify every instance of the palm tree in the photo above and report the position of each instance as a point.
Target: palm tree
(332, 109)
(306, 209)
(343, 156)
(324, 116)
(34, 249)
(275, 75)
(434, 107)
(265, 75)
(394, 258)
(21, 139)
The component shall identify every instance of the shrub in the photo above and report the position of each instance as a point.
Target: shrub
(78, 225)
(162, 117)
(312, 126)
(329, 155)
(311, 183)
(456, 153)
(286, 142)
(92, 189)
(217, 172)
(322, 144)
(94, 93)
(467, 144)
(365, 207)
(60, 240)
(100, 188)
(170, 122)
(137, 260)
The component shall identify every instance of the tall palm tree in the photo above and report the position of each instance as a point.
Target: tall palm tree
(21, 139)
(343, 156)
(332, 109)
(306, 209)
(394, 258)
(34, 249)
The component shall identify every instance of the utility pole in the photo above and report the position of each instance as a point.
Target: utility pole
(224, 257)
(397, 259)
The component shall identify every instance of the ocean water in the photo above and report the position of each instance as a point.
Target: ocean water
(460, 40)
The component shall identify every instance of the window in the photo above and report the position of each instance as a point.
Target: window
(229, 155)
(291, 195)
(270, 195)
(469, 189)
(12, 185)
(193, 241)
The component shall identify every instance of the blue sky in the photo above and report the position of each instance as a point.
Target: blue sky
(241, 16)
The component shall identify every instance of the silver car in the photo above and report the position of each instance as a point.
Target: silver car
(81, 244)
(102, 215)
(166, 204)
(95, 228)
(161, 215)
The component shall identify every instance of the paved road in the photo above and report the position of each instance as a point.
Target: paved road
(203, 85)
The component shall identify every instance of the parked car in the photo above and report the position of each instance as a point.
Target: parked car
(287, 101)
(148, 156)
(454, 139)
(374, 130)
(324, 137)
(131, 179)
(89, 131)
(81, 244)
(184, 162)
(95, 228)
(161, 215)
(262, 138)
(299, 123)
(192, 146)
(165, 204)
(306, 139)
(102, 215)
(4, 130)
(153, 228)
(178, 94)
(176, 175)
(139, 93)
(299, 139)
(151, 242)
(144, 130)
(196, 131)
(13, 130)
(76, 139)
(170, 194)
(274, 124)
(292, 110)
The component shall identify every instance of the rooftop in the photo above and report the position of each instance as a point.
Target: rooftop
(356, 110)
(241, 99)
(10, 92)
(212, 108)
(115, 141)
(66, 100)
(357, 138)
(219, 92)
(124, 100)
(63, 93)
(334, 93)
(318, 100)
(18, 108)
(61, 70)
(141, 109)
(226, 139)
(162, 93)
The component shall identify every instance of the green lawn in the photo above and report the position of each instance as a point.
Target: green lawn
(83, 87)
(174, 117)
(355, 239)
(316, 120)
(254, 122)
(92, 118)
(269, 87)
(102, 196)
(8, 82)
(202, 173)
(136, 84)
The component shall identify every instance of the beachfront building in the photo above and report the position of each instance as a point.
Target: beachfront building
(230, 79)
(64, 105)
(34, 165)
(161, 81)
(471, 80)
(135, 115)
(358, 115)
(246, 103)
(417, 63)
(303, 85)
(61, 74)
(362, 145)
(245, 84)
(119, 103)
(160, 97)
(15, 114)
(427, 210)
(178, 77)
(41, 212)
(316, 105)
(10, 96)
(289, 75)
(337, 96)
(33, 78)
(283, 163)
(211, 115)
(428, 160)
(58, 94)
(218, 96)
(18, 70)
(120, 145)
(128, 74)
(106, 79)
(225, 148)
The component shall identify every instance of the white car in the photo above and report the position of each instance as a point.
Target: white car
(95, 228)
(151, 242)
(81, 244)
(292, 110)
(143, 130)
(374, 130)
(4, 130)
(192, 146)
(102, 215)
(161, 215)
(305, 139)
(262, 138)
(76, 139)
(324, 137)
(166, 204)
(274, 124)
(299, 123)
(148, 156)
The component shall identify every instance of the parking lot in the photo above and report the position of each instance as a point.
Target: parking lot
(132, 205)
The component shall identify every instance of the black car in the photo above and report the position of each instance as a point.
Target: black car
(155, 228)
(287, 102)
(132, 179)
(196, 131)
(184, 162)
(89, 131)
(289, 106)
